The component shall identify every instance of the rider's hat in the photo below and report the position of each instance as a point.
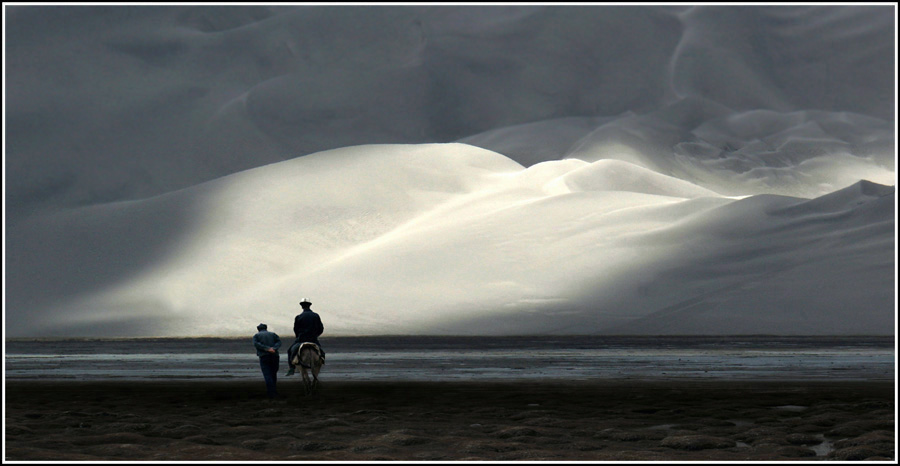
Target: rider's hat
(261, 327)
(305, 301)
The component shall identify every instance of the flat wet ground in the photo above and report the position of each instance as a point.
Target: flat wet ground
(461, 359)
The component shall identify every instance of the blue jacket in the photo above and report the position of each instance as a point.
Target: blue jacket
(265, 340)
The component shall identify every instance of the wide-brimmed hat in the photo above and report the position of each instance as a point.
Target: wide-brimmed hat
(305, 301)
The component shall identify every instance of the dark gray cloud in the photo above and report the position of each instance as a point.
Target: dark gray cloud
(115, 102)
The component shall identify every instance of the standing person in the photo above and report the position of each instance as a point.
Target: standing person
(267, 344)
(307, 328)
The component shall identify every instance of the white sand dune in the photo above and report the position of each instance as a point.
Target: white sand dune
(191, 170)
(450, 238)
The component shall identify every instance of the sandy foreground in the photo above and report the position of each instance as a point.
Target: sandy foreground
(474, 421)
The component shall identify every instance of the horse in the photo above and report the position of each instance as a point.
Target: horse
(309, 358)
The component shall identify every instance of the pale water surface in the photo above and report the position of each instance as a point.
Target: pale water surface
(468, 358)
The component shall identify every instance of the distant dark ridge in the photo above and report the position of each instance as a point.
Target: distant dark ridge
(506, 340)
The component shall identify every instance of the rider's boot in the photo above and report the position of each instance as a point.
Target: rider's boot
(290, 372)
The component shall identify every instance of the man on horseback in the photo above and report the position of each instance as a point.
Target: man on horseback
(307, 328)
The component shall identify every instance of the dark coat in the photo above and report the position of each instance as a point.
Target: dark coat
(308, 326)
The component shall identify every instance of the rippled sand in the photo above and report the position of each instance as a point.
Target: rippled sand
(608, 420)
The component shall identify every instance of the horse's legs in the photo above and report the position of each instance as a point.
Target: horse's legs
(307, 384)
(315, 374)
